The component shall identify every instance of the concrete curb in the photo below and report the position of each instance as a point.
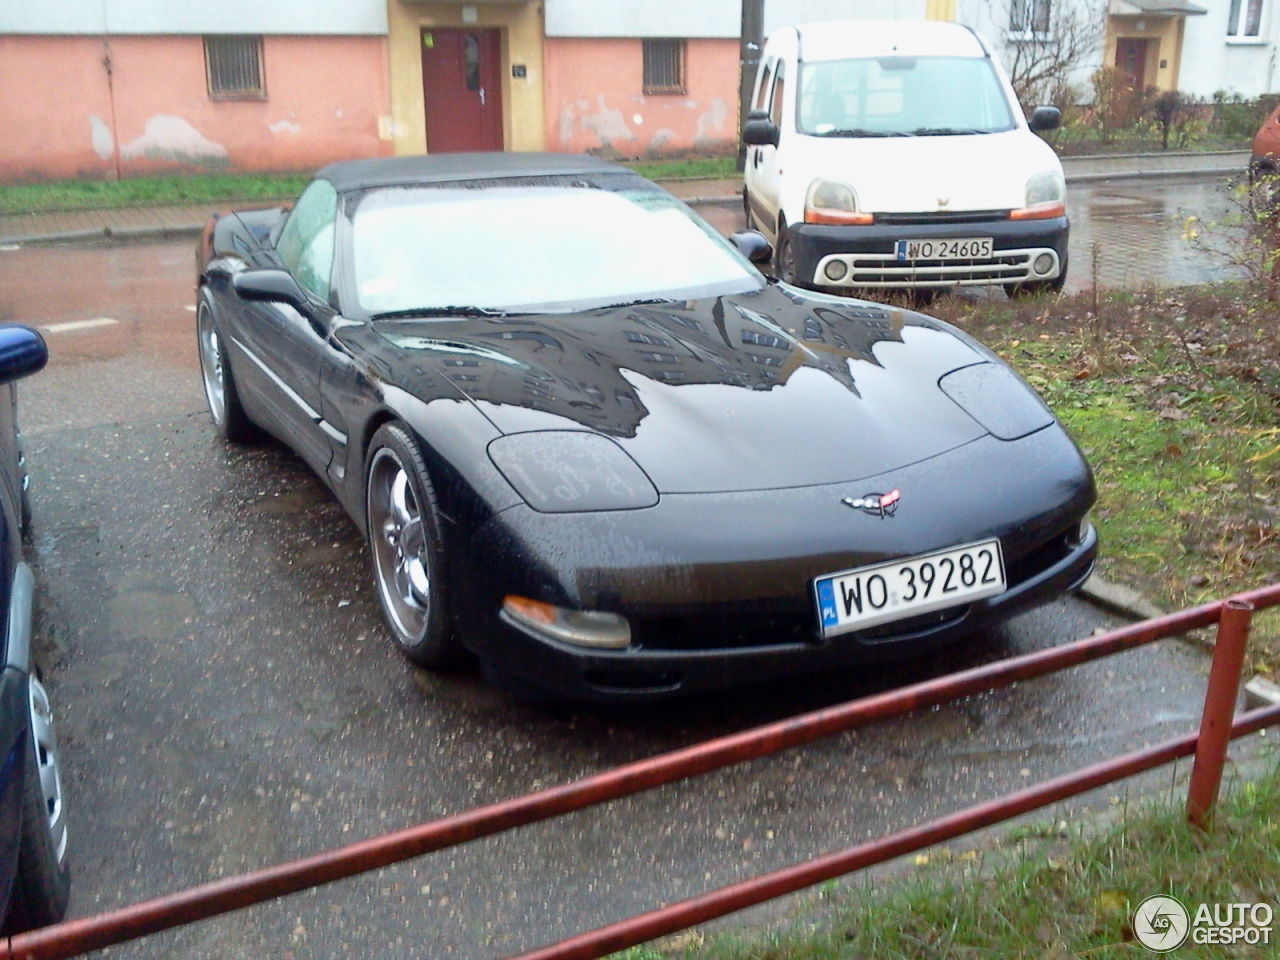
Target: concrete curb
(1127, 602)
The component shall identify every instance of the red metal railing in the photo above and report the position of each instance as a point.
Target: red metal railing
(1209, 746)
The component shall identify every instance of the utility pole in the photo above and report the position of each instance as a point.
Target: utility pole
(749, 59)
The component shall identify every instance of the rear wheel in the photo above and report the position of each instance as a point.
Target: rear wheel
(43, 883)
(220, 392)
(407, 550)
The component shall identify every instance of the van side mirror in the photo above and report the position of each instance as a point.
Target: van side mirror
(760, 131)
(1045, 118)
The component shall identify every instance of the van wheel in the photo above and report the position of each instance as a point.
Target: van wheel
(784, 259)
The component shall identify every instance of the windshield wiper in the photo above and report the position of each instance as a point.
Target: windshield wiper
(858, 132)
(411, 313)
(945, 132)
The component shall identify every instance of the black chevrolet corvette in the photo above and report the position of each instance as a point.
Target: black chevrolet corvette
(591, 444)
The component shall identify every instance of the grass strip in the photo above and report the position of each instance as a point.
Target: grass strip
(1045, 892)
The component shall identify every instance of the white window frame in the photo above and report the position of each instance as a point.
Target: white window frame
(1238, 21)
(1024, 14)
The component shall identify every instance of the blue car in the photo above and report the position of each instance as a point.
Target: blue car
(35, 880)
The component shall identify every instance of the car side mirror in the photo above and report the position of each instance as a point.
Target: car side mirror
(271, 286)
(1045, 118)
(22, 352)
(760, 131)
(752, 245)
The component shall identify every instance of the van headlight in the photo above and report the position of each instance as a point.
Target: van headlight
(833, 202)
(1046, 198)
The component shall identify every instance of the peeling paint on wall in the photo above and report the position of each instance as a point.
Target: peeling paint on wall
(104, 145)
(712, 122)
(167, 137)
(285, 126)
(567, 118)
(606, 124)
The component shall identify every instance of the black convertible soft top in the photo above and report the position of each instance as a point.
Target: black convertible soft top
(439, 168)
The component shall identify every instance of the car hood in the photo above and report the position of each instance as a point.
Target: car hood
(922, 174)
(755, 391)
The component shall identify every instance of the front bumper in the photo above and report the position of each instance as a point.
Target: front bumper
(718, 588)
(1023, 251)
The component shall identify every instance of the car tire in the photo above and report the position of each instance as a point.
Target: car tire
(784, 258)
(43, 882)
(220, 391)
(406, 549)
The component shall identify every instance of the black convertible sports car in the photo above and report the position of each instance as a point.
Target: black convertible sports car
(590, 443)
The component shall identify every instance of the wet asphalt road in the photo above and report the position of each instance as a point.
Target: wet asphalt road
(228, 699)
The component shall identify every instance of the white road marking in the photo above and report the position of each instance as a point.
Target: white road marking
(73, 325)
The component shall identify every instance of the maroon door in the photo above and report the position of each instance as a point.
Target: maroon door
(462, 89)
(1131, 70)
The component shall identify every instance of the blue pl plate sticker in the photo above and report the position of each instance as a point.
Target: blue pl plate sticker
(827, 603)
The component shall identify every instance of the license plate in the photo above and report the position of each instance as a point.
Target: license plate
(881, 593)
(960, 248)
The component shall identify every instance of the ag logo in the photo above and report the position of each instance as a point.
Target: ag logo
(1161, 923)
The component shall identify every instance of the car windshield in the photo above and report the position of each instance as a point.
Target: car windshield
(902, 97)
(533, 245)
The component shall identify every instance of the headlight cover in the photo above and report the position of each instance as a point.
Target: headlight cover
(1046, 197)
(833, 202)
(569, 471)
(994, 395)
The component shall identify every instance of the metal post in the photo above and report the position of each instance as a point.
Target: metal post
(1219, 708)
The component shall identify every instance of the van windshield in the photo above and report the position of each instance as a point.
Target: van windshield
(902, 97)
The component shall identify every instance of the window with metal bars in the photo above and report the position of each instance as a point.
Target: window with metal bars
(233, 67)
(664, 66)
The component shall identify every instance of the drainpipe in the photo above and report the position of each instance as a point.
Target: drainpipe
(111, 103)
(111, 89)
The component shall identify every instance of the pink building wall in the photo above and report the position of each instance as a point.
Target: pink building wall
(595, 100)
(62, 116)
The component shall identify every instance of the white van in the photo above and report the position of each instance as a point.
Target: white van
(893, 153)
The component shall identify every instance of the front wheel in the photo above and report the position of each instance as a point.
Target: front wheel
(784, 258)
(220, 392)
(406, 549)
(43, 883)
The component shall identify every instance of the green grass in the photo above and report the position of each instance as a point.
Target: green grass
(1048, 894)
(1174, 397)
(221, 189)
(148, 191)
(695, 167)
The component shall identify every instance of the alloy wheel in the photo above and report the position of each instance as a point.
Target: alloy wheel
(398, 540)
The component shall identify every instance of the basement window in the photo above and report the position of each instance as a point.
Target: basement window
(233, 68)
(664, 66)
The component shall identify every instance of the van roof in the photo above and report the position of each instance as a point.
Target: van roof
(846, 39)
